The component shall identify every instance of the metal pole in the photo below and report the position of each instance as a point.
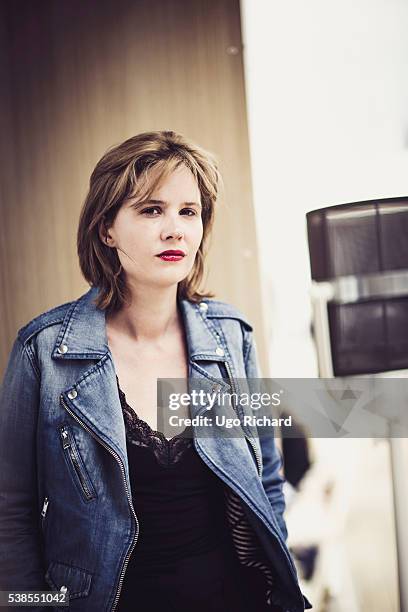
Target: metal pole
(399, 469)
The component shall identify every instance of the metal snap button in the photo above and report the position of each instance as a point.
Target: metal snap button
(63, 589)
(72, 394)
(62, 349)
(203, 307)
(219, 351)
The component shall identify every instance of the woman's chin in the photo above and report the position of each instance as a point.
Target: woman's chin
(158, 282)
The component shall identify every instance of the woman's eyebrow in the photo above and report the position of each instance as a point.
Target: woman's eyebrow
(163, 203)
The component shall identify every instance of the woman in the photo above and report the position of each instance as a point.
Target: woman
(96, 503)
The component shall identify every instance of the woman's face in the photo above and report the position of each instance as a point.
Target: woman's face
(169, 221)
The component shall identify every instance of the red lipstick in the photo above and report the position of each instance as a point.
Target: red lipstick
(171, 255)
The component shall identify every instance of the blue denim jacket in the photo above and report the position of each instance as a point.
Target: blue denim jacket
(66, 514)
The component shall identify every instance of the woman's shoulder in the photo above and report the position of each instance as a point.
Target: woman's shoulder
(47, 319)
(216, 309)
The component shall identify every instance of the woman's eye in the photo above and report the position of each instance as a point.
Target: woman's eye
(151, 211)
(189, 211)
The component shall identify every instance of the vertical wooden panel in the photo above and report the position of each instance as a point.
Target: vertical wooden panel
(82, 76)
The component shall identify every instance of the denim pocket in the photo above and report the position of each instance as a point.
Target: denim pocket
(74, 580)
(76, 464)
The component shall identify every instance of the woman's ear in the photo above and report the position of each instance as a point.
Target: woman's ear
(104, 234)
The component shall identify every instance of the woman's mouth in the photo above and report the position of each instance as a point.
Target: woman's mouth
(171, 255)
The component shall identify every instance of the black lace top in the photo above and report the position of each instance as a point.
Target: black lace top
(178, 500)
(139, 433)
(184, 558)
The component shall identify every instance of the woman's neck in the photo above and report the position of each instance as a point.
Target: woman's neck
(151, 316)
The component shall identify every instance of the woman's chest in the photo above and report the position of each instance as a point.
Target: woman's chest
(138, 377)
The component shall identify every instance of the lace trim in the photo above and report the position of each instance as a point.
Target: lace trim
(139, 433)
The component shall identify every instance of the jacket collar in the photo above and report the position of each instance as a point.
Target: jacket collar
(83, 332)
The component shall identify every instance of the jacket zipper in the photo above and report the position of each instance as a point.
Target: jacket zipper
(122, 468)
(44, 510)
(69, 446)
(258, 459)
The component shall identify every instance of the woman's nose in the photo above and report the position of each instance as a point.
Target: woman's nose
(172, 230)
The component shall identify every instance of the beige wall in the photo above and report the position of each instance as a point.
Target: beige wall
(83, 75)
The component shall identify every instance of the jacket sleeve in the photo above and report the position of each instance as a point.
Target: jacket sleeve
(20, 542)
(272, 474)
